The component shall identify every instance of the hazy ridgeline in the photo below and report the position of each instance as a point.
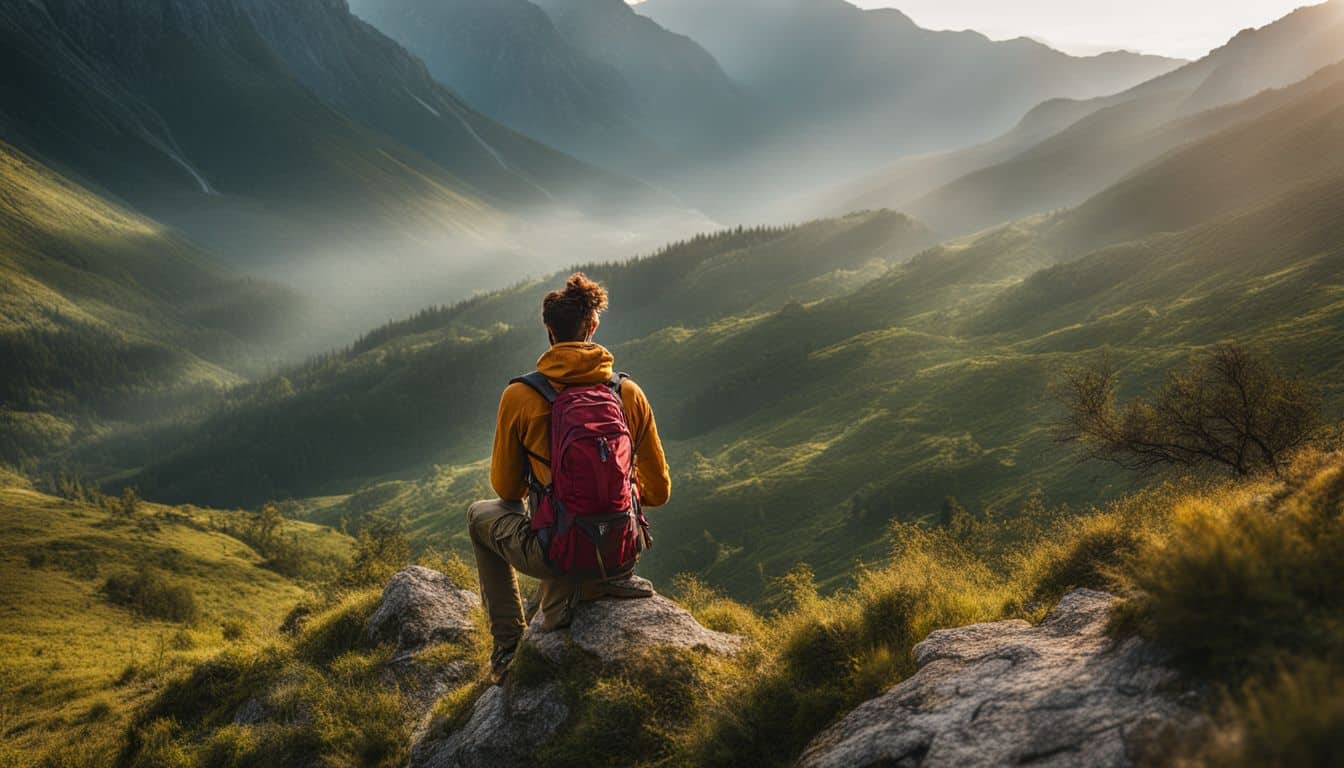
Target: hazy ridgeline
(212, 213)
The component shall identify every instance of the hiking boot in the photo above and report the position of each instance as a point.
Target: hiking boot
(499, 665)
(625, 586)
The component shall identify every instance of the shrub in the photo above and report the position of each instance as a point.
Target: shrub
(323, 692)
(157, 747)
(233, 630)
(642, 708)
(128, 505)
(1294, 718)
(461, 573)
(1090, 550)
(1247, 577)
(338, 629)
(381, 549)
(1229, 407)
(148, 593)
(827, 655)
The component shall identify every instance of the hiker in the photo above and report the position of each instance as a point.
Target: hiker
(578, 530)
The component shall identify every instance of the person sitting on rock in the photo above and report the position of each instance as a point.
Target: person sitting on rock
(581, 529)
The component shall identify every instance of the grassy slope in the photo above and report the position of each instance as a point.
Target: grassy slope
(101, 307)
(76, 666)
(798, 430)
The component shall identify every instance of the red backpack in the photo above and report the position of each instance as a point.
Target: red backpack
(588, 519)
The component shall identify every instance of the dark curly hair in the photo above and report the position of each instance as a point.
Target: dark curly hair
(569, 312)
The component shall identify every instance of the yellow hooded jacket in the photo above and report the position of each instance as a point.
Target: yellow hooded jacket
(525, 421)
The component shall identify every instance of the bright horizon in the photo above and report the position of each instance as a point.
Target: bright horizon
(1185, 29)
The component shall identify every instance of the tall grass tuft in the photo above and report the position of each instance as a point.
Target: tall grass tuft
(1248, 578)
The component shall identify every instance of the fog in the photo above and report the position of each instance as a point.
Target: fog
(358, 271)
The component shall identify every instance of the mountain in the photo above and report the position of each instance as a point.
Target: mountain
(588, 76)
(1064, 151)
(291, 138)
(847, 88)
(685, 100)
(875, 395)
(507, 58)
(107, 316)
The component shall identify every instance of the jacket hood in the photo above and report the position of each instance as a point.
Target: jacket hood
(576, 362)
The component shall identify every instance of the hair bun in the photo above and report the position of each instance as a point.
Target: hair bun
(589, 295)
(570, 312)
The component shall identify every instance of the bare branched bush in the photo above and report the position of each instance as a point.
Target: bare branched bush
(1228, 407)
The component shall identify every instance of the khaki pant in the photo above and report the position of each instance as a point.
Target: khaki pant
(502, 536)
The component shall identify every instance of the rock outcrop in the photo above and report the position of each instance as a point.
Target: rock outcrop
(420, 608)
(509, 723)
(1009, 693)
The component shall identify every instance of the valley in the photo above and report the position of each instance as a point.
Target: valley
(265, 269)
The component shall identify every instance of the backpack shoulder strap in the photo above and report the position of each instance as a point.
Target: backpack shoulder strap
(616, 381)
(538, 383)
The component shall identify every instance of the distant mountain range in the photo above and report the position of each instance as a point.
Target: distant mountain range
(843, 88)
(830, 87)
(507, 58)
(1067, 150)
(588, 76)
(291, 138)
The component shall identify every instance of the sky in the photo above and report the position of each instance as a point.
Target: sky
(1183, 28)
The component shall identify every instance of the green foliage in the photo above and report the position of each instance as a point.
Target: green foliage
(1229, 407)
(338, 629)
(1293, 718)
(149, 593)
(1092, 550)
(381, 549)
(641, 707)
(823, 656)
(1249, 577)
(322, 691)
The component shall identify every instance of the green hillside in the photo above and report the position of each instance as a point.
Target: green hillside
(106, 316)
(292, 437)
(78, 663)
(808, 403)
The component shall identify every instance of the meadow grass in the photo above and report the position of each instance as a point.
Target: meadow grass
(1237, 580)
(77, 665)
(319, 693)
